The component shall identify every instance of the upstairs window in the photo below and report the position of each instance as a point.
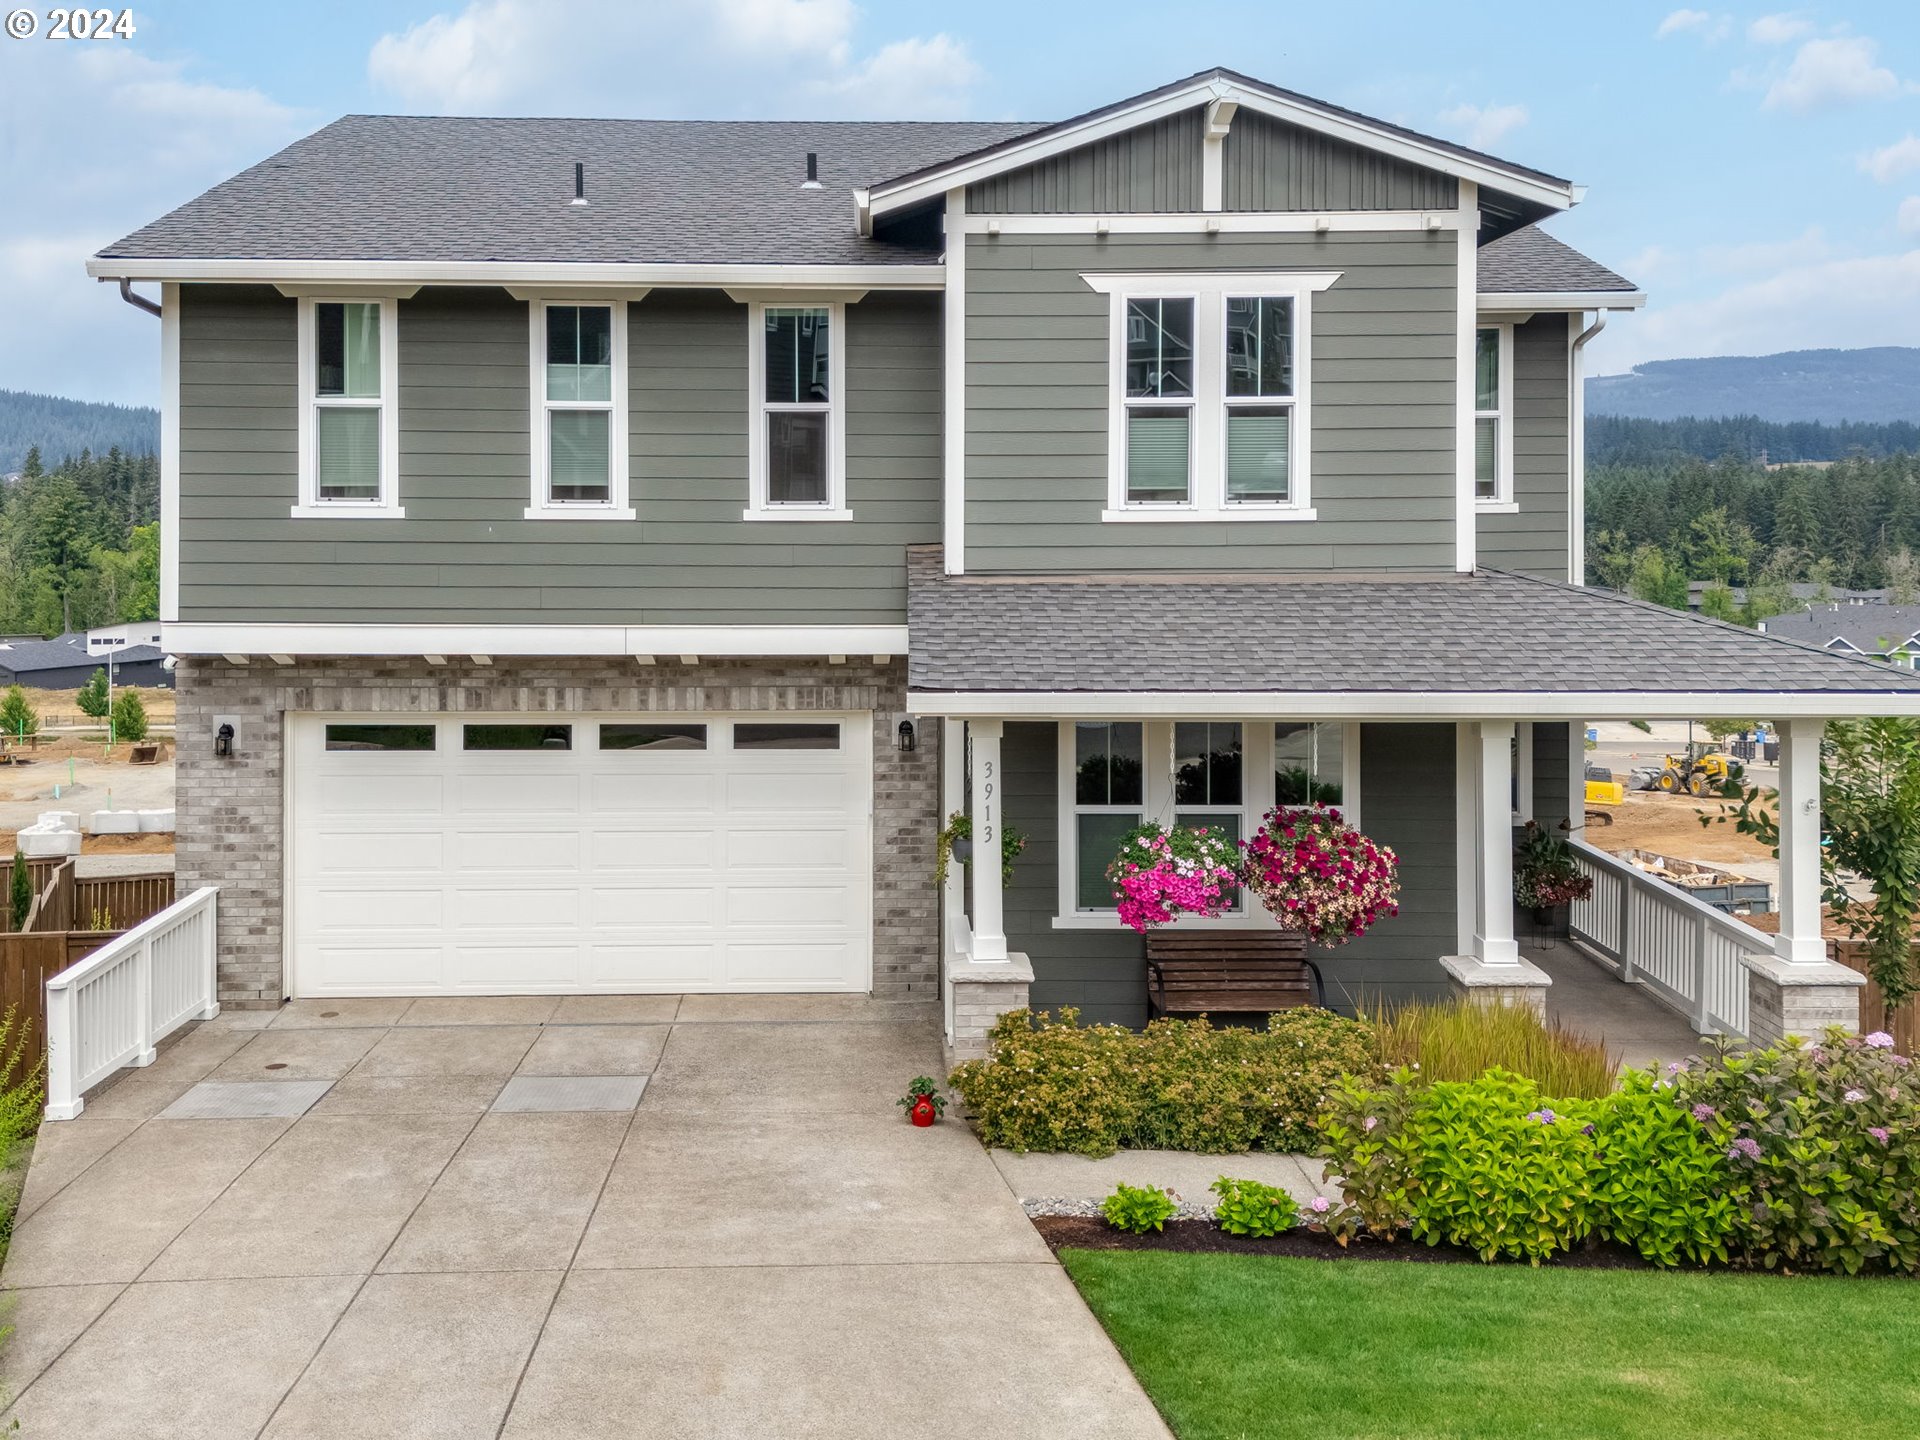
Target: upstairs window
(1492, 415)
(349, 436)
(797, 449)
(579, 417)
(1210, 413)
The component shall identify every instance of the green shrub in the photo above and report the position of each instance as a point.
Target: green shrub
(1054, 1084)
(19, 891)
(1248, 1207)
(1661, 1184)
(92, 696)
(1137, 1209)
(1459, 1040)
(17, 715)
(129, 716)
(1825, 1140)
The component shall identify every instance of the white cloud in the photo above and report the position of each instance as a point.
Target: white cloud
(668, 57)
(1835, 303)
(1908, 216)
(1832, 71)
(1779, 29)
(1890, 162)
(98, 141)
(1484, 126)
(1709, 27)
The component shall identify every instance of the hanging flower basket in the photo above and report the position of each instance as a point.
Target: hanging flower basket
(1162, 874)
(1317, 874)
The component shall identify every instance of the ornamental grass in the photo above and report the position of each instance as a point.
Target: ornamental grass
(1459, 1040)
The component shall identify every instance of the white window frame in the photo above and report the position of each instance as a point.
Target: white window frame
(759, 506)
(309, 505)
(540, 505)
(1523, 771)
(1157, 749)
(1207, 488)
(1502, 501)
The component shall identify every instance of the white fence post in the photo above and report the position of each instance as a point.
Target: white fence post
(210, 944)
(1702, 1001)
(1626, 931)
(143, 1005)
(63, 1064)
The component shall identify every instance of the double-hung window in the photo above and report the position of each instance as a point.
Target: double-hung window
(1493, 415)
(1109, 799)
(579, 415)
(1159, 384)
(796, 378)
(1210, 409)
(349, 446)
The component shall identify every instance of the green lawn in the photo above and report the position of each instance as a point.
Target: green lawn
(1244, 1346)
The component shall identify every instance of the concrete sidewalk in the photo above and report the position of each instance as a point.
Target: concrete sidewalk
(760, 1246)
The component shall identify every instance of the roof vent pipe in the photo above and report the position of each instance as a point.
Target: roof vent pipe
(579, 183)
(813, 171)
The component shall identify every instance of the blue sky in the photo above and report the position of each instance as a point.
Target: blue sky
(1756, 170)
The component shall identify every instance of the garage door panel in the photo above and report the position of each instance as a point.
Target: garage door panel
(375, 853)
(660, 792)
(517, 851)
(616, 966)
(451, 871)
(672, 847)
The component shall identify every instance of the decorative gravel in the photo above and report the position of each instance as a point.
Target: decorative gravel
(1090, 1209)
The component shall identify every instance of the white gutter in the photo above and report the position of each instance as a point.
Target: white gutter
(1497, 300)
(491, 272)
(1577, 453)
(1408, 705)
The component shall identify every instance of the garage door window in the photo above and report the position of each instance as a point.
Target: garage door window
(786, 737)
(517, 737)
(380, 737)
(653, 737)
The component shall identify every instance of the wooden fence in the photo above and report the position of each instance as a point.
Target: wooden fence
(38, 873)
(27, 962)
(64, 901)
(1873, 1016)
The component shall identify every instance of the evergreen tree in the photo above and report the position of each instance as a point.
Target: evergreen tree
(19, 891)
(92, 698)
(17, 715)
(129, 716)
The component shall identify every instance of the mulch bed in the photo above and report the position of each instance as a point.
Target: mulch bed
(1202, 1237)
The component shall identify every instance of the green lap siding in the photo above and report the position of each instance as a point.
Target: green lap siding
(1535, 540)
(1383, 396)
(1407, 801)
(465, 554)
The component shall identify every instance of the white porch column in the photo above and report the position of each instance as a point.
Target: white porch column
(1799, 941)
(989, 922)
(1493, 942)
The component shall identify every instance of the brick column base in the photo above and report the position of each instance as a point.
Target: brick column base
(1473, 979)
(983, 991)
(1802, 1000)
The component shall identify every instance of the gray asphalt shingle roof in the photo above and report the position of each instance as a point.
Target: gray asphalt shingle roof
(1873, 628)
(1491, 631)
(23, 656)
(392, 187)
(1529, 260)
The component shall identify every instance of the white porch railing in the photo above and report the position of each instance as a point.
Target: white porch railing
(1686, 953)
(115, 1006)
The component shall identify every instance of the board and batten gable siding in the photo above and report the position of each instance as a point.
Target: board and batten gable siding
(1270, 165)
(1383, 397)
(1407, 801)
(1534, 540)
(465, 554)
(1152, 169)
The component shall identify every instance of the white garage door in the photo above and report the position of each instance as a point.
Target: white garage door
(545, 854)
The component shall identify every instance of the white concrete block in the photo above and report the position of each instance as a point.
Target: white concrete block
(156, 822)
(38, 844)
(115, 822)
(60, 819)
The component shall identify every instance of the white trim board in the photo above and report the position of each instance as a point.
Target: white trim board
(169, 451)
(506, 273)
(1466, 341)
(1410, 705)
(1500, 301)
(953, 342)
(1233, 222)
(887, 197)
(498, 640)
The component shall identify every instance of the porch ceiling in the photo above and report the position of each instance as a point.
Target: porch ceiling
(1490, 643)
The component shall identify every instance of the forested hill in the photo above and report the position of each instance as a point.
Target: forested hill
(1880, 384)
(63, 428)
(80, 543)
(1626, 440)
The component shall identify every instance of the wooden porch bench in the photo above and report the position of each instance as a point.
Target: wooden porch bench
(1194, 972)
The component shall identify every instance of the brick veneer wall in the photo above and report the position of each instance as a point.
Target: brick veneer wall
(232, 812)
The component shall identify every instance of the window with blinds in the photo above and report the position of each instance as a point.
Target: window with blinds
(1160, 390)
(347, 401)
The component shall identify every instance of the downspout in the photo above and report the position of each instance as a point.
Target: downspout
(139, 302)
(1577, 452)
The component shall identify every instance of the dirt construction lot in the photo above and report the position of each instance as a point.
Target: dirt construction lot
(87, 774)
(1670, 825)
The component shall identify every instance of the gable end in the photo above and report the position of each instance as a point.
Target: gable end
(1270, 165)
(1153, 169)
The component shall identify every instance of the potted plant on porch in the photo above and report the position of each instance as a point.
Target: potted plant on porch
(955, 842)
(1545, 874)
(923, 1101)
(1318, 874)
(1164, 872)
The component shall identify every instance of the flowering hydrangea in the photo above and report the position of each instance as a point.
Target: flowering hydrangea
(1543, 1117)
(1320, 1205)
(1704, 1113)
(1746, 1146)
(1879, 1040)
(1160, 875)
(1318, 874)
(1854, 1097)
(1879, 1132)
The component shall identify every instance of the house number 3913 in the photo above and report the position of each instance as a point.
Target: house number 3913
(987, 788)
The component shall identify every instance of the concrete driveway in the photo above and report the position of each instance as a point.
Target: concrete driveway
(445, 1243)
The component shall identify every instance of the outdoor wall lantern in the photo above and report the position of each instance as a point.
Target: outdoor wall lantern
(223, 742)
(907, 739)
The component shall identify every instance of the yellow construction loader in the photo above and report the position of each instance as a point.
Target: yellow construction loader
(1702, 769)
